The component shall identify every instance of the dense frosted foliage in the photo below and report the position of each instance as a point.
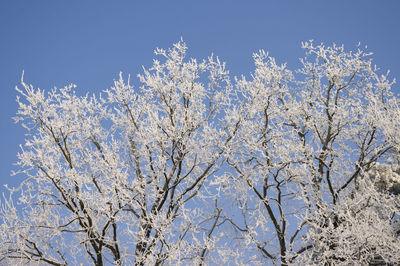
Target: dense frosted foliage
(191, 167)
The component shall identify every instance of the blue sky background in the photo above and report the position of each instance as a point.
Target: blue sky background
(89, 42)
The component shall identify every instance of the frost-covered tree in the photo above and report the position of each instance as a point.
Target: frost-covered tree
(119, 178)
(282, 167)
(304, 158)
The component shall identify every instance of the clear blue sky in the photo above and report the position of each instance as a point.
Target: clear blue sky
(89, 42)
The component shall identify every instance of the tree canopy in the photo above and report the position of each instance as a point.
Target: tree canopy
(196, 167)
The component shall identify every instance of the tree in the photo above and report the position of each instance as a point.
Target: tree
(307, 150)
(112, 179)
(282, 168)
